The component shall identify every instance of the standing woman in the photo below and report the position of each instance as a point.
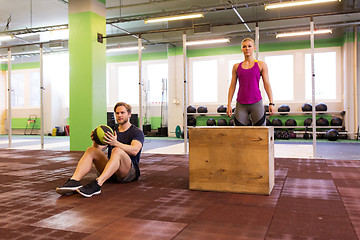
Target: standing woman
(249, 100)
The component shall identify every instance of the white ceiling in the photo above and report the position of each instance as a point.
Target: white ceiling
(35, 15)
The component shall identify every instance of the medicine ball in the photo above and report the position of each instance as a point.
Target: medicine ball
(191, 109)
(99, 133)
(322, 122)
(343, 136)
(307, 107)
(211, 122)
(284, 108)
(191, 121)
(336, 121)
(266, 108)
(308, 122)
(221, 109)
(290, 122)
(268, 123)
(321, 107)
(332, 135)
(231, 122)
(202, 109)
(222, 122)
(276, 122)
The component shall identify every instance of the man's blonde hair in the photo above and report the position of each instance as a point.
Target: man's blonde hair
(127, 106)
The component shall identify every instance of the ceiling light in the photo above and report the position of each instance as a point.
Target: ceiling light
(296, 3)
(293, 34)
(222, 40)
(6, 59)
(174, 18)
(58, 34)
(4, 38)
(123, 49)
(22, 35)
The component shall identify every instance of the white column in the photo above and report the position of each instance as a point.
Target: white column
(42, 96)
(9, 98)
(185, 93)
(140, 83)
(313, 86)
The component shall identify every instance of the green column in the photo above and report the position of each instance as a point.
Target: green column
(87, 59)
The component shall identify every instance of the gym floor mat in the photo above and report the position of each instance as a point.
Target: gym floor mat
(312, 199)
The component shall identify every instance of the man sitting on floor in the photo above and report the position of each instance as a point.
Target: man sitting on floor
(122, 162)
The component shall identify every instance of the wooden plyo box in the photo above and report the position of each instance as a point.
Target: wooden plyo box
(232, 159)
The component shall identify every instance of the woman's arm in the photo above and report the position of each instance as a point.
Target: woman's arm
(267, 86)
(232, 89)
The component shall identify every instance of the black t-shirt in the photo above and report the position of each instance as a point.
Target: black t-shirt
(133, 133)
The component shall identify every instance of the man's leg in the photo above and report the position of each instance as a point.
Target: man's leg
(119, 163)
(92, 154)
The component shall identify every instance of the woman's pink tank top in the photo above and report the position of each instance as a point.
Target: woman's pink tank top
(249, 91)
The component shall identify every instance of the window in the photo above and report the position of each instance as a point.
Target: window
(157, 75)
(204, 81)
(128, 84)
(17, 85)
(281, 75)
(325, 75)
(56, 73)
(35, 89)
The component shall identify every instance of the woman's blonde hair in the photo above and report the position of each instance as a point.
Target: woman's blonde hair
(247, 39)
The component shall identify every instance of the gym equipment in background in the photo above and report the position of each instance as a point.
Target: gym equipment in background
(202, 109)
(268, 122)
(284, 108)
(332, 135)
(336, 121)
(191, 109)
(191, 121)
(221, 109)
(211, 122)
(111, 120)
(231, 122)
(30, 124)
(307, 107)
(308, 122)
(276, 122)
(321, 107)
(322, 122)
(178, 131)
(290, 122)
(222, 122)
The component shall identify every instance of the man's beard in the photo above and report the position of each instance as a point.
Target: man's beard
(121, 122)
